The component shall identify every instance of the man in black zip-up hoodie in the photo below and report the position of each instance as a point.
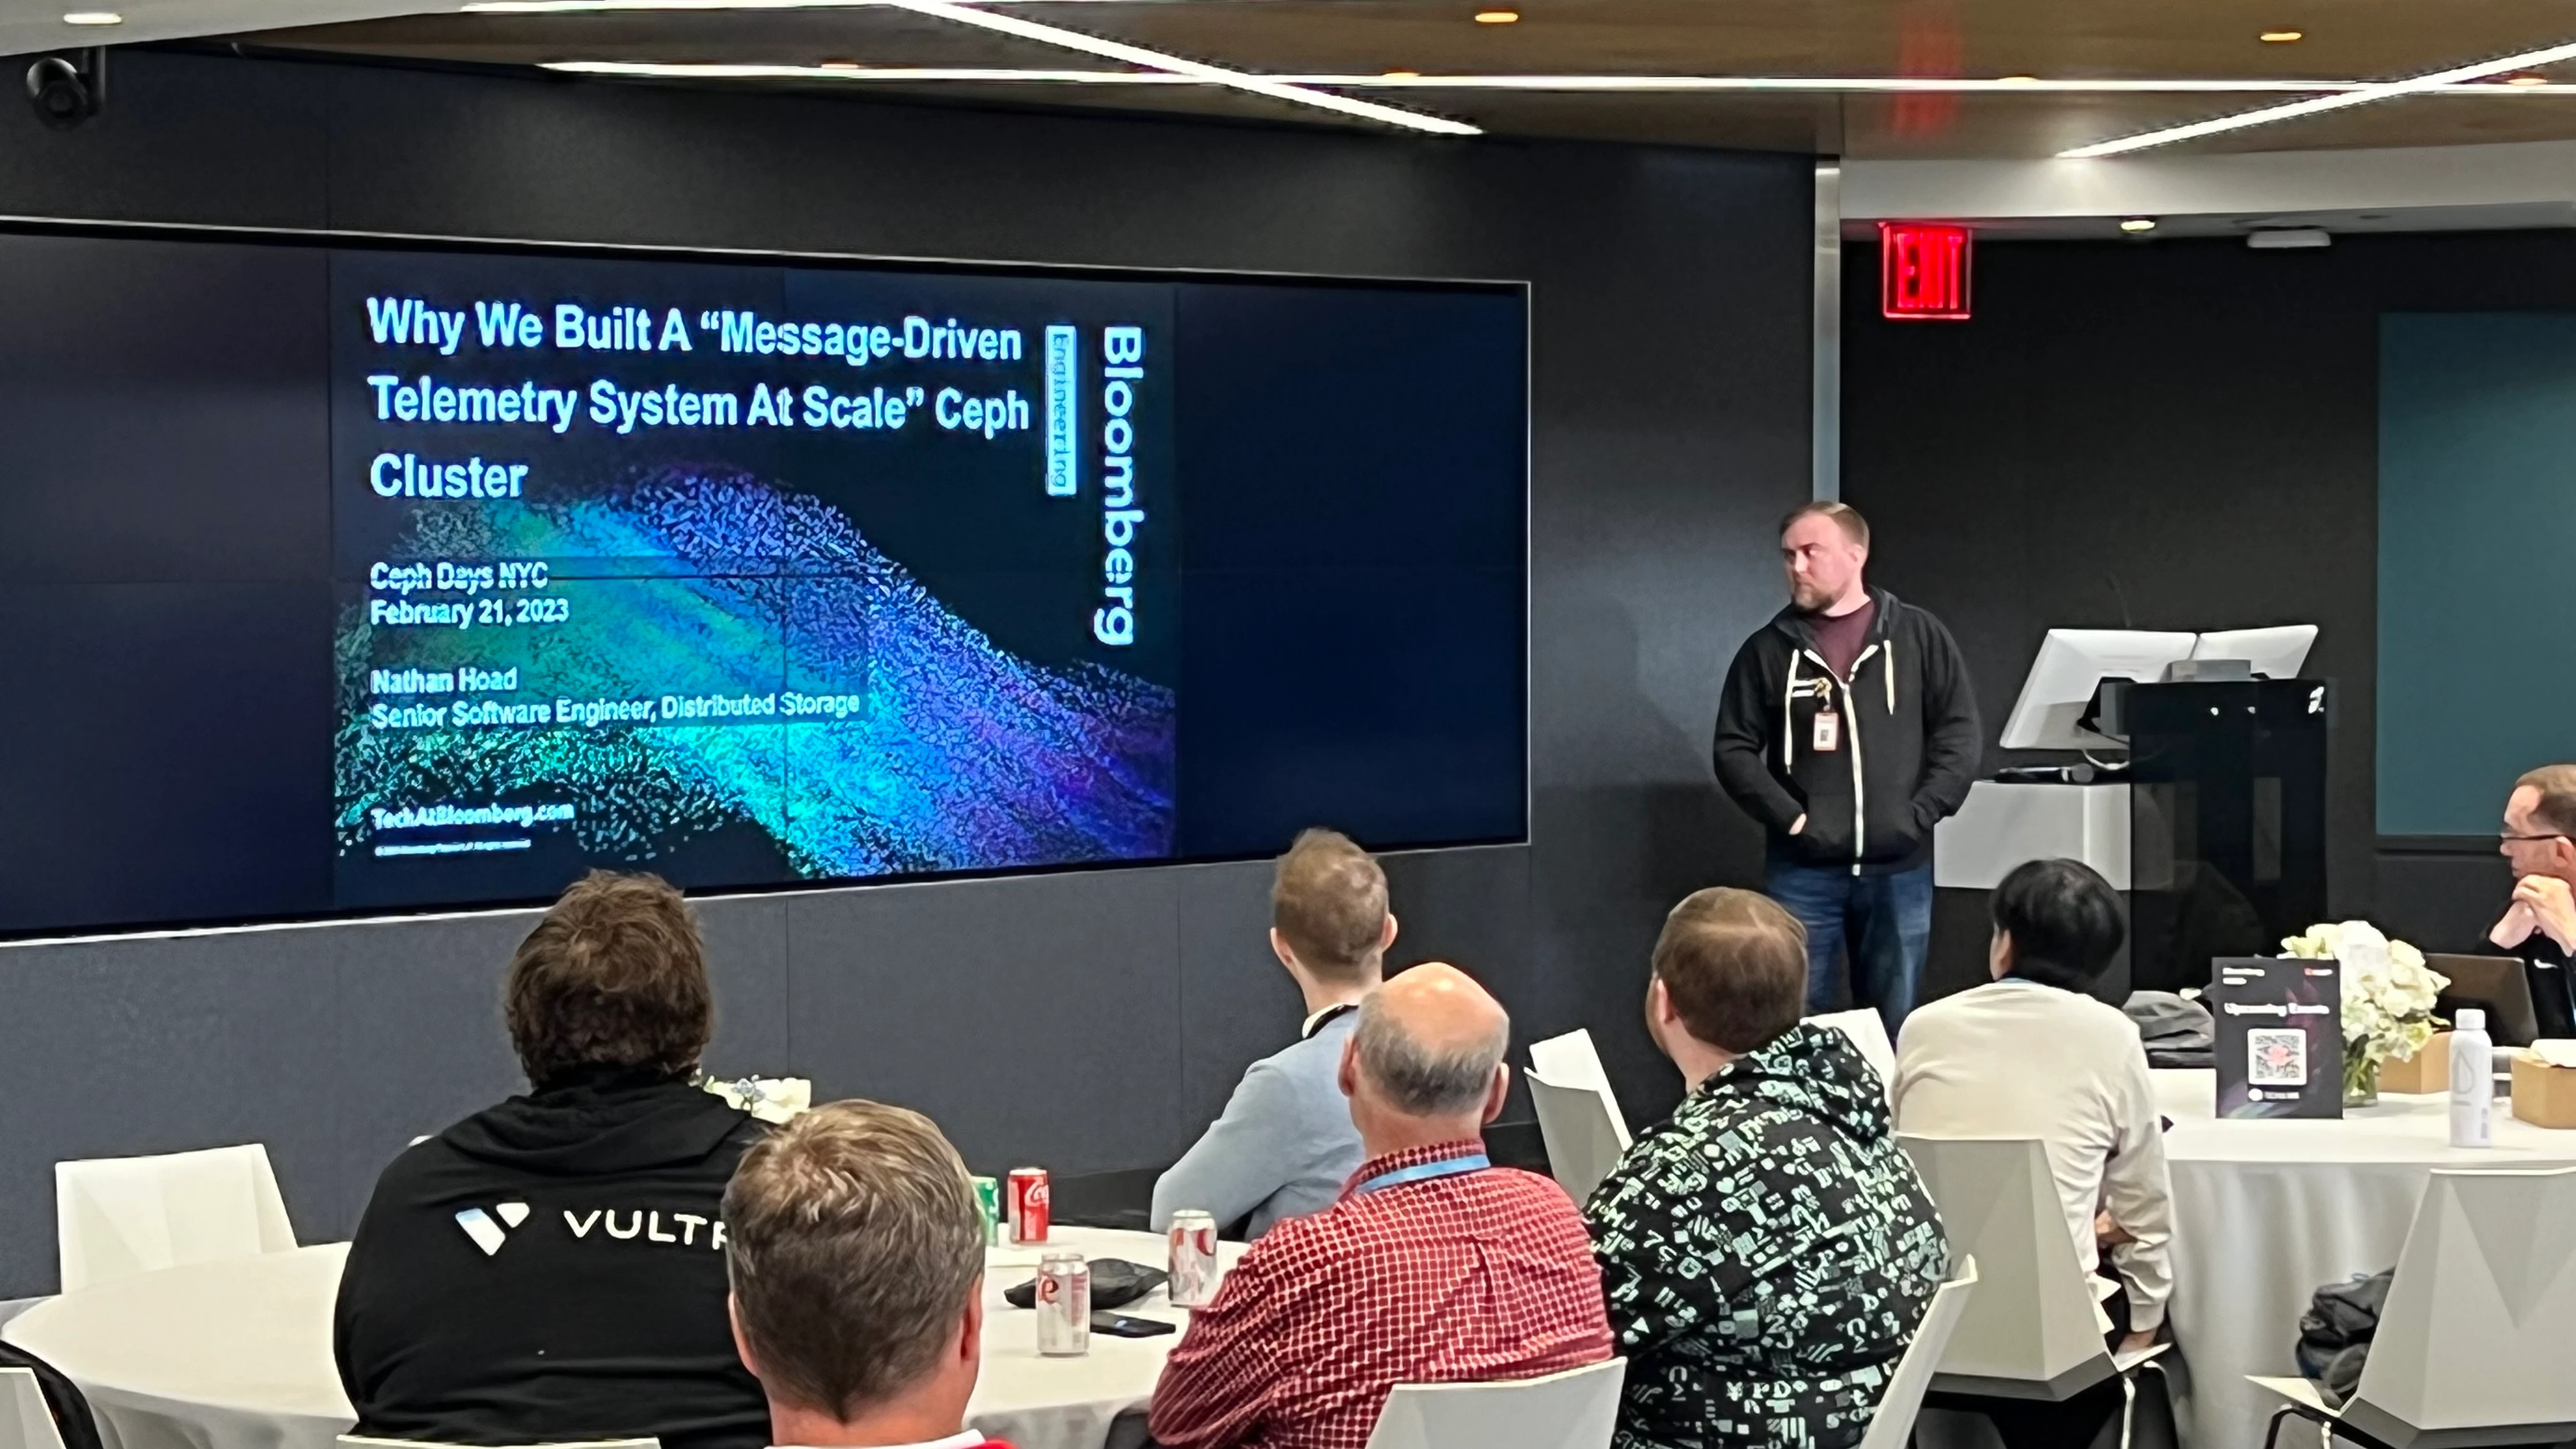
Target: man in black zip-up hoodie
(1849, 728)
(553, 1268)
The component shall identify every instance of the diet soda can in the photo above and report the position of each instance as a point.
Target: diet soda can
(1193, 1269)
(1064, 1305)
(1025, 1193)
(988, 1197)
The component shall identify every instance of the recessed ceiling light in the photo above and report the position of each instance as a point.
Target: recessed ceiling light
(2018, 80)
(2139, 223)
(2280, 37)
(1497, 17)
(93, 17)
(2526, 80)
(840, 65)
(1401, 75)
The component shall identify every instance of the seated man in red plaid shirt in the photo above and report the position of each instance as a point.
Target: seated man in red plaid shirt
(857, 1256)
(1434, 1267)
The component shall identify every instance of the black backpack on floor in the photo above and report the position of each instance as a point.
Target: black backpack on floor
(2335, 1332)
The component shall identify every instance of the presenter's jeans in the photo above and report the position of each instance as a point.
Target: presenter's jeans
(1885, 920)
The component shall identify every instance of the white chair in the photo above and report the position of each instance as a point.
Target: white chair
(1578, 1115)
(118, 1216)
(2472, 1343)
(1584, 1142)
(1868, 1033)
(364, 1442)
(1576, 1409)
(25, 1421)
(2033, 1330)
(1893, 1424)
(361, 1441)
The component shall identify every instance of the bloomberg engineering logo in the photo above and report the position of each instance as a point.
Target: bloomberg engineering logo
(491, 1230)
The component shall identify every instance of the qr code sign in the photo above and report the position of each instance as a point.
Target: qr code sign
(2275, 1057)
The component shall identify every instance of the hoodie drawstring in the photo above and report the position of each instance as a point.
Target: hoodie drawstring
(1788, 717)
(1887, 664)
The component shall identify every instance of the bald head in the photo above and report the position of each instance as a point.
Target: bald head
(1429, 1042)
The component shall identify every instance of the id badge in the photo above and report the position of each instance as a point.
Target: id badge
(1829, 732)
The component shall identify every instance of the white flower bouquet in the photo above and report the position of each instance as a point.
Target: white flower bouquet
(2388, 996)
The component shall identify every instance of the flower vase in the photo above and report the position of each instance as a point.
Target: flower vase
(2360, 1076)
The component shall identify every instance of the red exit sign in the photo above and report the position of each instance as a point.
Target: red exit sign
(1922, 271)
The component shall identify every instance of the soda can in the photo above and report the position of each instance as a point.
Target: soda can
(988, 1196)
(1027, 1200)
(1064, 1305)
(1194, 1271)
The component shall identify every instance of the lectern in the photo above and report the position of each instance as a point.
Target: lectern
(2227, 822)
(2215, 823)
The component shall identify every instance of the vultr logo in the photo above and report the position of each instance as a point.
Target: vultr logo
(487, 1234)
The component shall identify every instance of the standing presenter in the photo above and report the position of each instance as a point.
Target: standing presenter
(1849, 729)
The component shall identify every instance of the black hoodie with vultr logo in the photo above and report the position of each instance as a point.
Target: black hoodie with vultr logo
(553, 1269)
(1896, 759)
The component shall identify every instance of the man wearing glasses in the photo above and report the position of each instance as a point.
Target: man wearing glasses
(2540, 923)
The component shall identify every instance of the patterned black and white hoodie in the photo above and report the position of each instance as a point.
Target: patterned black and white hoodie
(1766, 1254)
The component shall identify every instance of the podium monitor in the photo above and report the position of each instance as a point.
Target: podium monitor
(2072, 664)
(2275, 653)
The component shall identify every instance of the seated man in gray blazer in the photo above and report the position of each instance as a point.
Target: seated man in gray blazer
(1285, 1143)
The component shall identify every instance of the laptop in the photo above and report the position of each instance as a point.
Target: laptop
(2499, 985)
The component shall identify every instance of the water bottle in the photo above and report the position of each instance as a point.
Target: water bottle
(2472, 1080)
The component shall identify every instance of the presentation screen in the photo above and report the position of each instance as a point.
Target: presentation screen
(345, 577)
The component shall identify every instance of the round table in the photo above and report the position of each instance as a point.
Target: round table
(237, 1354)
(2266, 1212)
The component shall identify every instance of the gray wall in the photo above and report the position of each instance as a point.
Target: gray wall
(1088, 1021)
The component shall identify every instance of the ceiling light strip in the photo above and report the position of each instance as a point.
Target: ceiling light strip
(881, 74)
(710, 70)
(1014, 25)
(2433, 81)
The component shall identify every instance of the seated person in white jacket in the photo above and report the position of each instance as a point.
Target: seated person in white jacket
(2031, 1055)
(1285, 1143)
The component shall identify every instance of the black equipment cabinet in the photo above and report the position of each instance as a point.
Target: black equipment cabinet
(2227, 821)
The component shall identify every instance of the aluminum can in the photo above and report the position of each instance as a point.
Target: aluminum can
(1194, 1271)
(1064, 1305)
(1027, 1198)
(988, 1196)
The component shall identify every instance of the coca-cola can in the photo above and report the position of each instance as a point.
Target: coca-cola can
(1026, 1196)
(1194, 1271)
(1064, 1305)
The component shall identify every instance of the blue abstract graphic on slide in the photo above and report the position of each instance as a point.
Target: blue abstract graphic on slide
(746, 574)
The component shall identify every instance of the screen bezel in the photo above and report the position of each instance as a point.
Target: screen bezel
(334, 239)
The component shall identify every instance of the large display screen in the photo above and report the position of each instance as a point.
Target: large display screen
(340, 577)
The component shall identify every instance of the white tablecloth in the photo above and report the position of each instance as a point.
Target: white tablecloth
(237, 1354)
(2266, 1212)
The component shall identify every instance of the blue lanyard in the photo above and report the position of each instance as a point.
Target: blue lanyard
(1426, 1171)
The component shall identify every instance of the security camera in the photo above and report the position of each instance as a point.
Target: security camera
(68, 88)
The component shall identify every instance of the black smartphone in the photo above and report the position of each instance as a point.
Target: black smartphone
(1119, 1325)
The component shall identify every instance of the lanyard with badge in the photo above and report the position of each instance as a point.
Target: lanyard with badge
(1425, 1172)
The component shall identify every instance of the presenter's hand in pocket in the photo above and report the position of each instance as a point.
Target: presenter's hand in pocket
(1819, 842)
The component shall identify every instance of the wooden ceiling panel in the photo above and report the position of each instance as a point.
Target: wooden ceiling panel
(2099, 39)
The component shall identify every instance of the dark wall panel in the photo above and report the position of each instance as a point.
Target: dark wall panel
(1091, 1020)
(2171, 435)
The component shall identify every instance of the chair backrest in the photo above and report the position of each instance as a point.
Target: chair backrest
(1572, 1061)
(2482, 1308)
(1576, 1409)
(2031, 1319)
(1868, 1033)
(1583, 1141)
(25, 1422)
(1892, 1425)
(361, 1441)
(118, 1216)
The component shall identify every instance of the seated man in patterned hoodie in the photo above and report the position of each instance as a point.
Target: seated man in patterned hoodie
(1767, 1252)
